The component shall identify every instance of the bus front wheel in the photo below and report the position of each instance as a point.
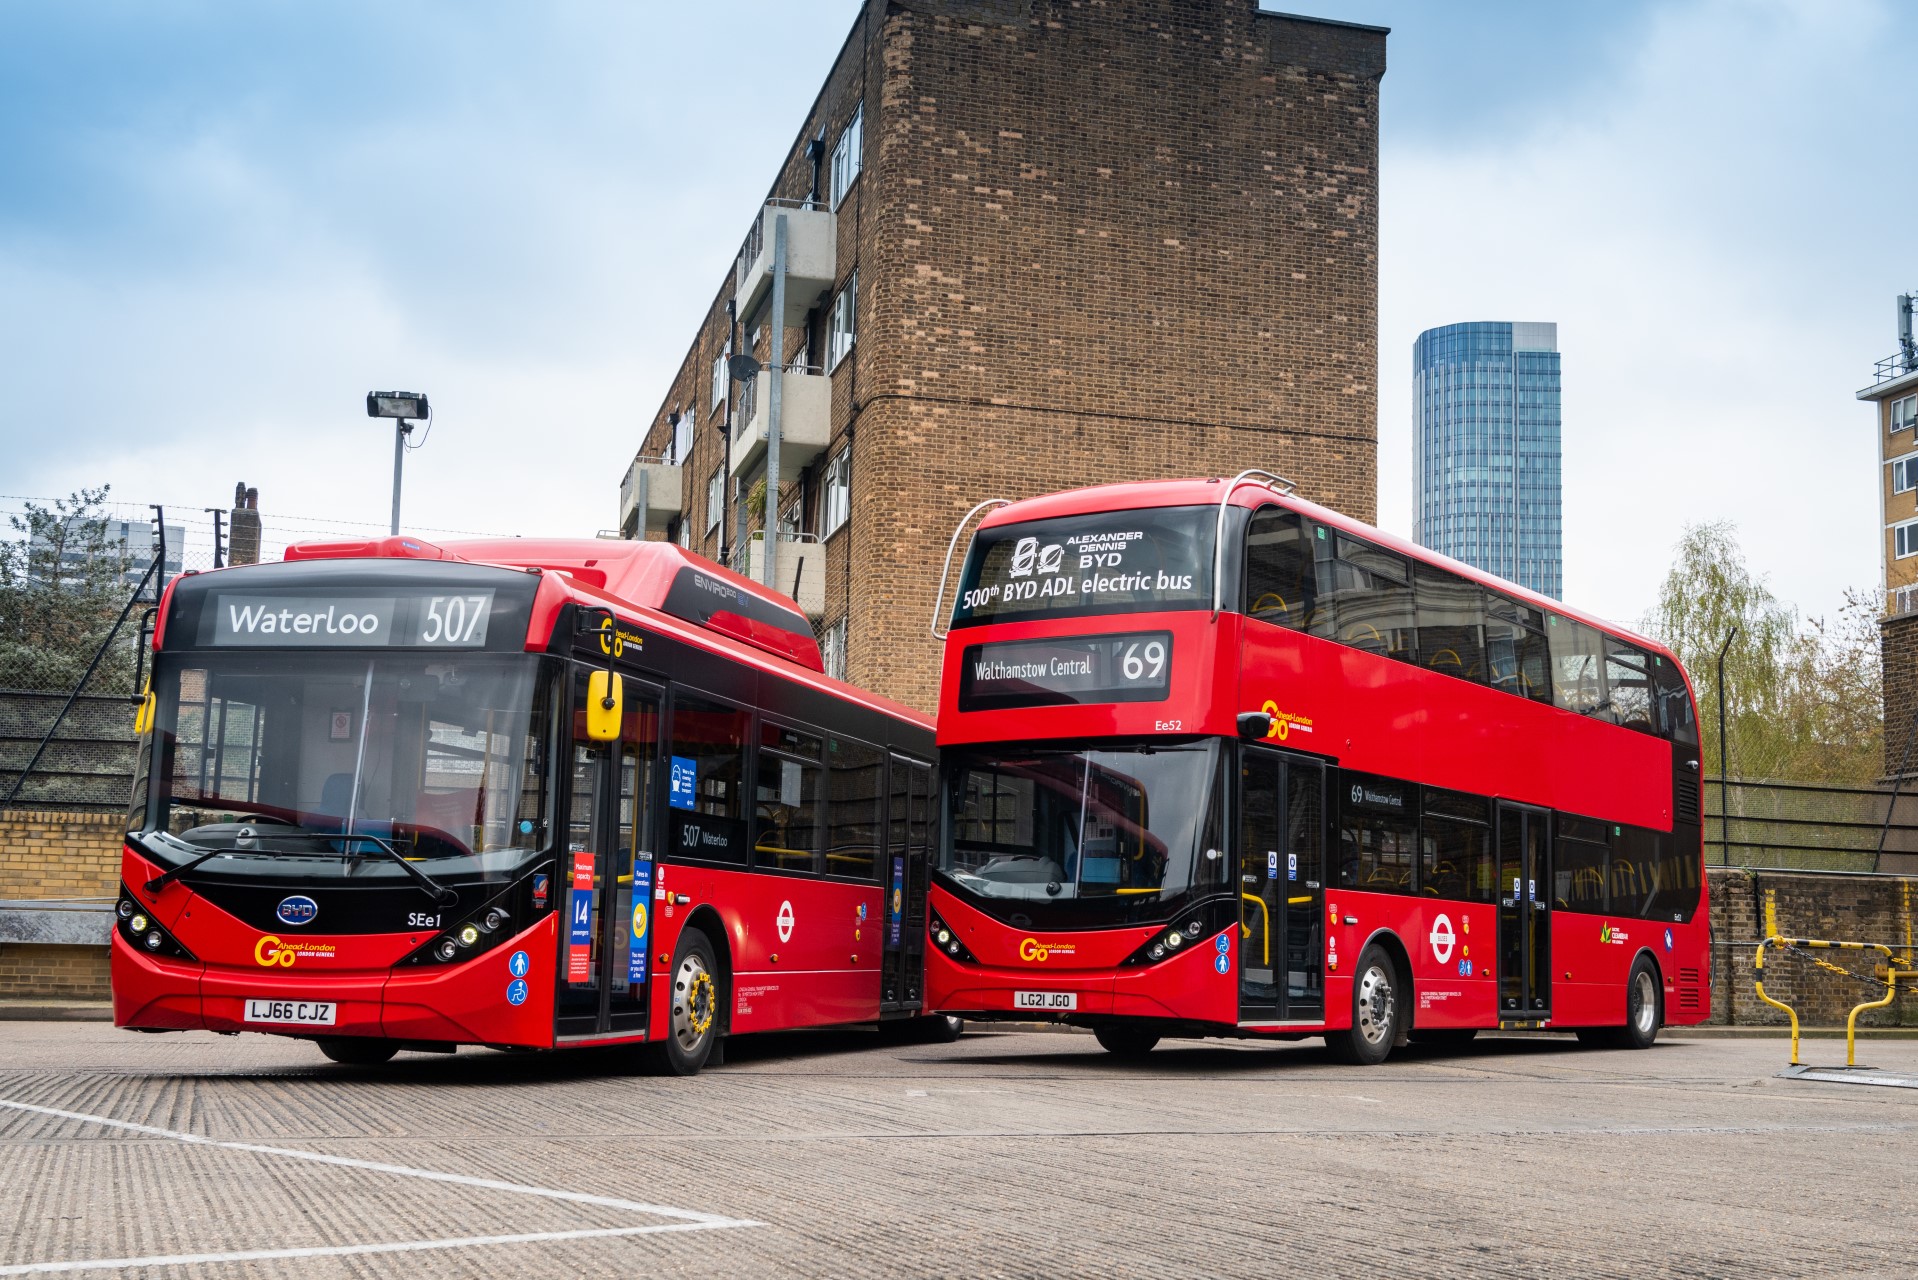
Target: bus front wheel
(693, 1021)
(1126, 1042)
(1375, 1012)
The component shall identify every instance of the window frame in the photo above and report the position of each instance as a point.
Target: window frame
(848, 158)
(1908, 464)
(1896, 421)
(1901, 534)
(835, 483)
(842, 325)
(715, 497)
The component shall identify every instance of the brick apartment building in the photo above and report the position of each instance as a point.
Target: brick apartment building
(1893, 396)
(1031, 244)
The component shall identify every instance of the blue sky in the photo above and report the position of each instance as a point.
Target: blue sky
(221, 224)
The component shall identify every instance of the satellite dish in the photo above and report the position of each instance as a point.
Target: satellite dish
(743, 367)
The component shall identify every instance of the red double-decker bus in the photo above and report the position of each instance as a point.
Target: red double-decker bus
(1220, 762)
(515, 793)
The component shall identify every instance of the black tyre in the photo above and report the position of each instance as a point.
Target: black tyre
(1126, 1042)
(1445, 1037)
(1376, 1012)
(1644, 1013)
(697, 997)
(358, 1051)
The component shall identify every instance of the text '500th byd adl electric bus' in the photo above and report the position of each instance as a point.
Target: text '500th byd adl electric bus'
(517, 793)
(1218, 761)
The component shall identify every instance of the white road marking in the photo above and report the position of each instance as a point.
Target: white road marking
(347, 1250)
(689, 1219)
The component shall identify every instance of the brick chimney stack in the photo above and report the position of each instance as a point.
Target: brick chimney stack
(243, 537)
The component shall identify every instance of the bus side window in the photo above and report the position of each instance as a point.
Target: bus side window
(1374, 600)
(1455, 842)
(1628, 680)
(1516, 655)
(706, 805)
(1281, 582)
(856, 786)
(1451, 627)
(786, 807)
(1581, 867)
(1674, 703)
(1577, 683)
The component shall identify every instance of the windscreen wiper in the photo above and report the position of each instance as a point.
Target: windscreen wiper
(166, 878)
(439, 892)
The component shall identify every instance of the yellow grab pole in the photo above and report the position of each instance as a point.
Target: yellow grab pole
(1758, 964)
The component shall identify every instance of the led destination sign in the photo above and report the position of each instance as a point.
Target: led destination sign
(426, 621)
(1136, 667)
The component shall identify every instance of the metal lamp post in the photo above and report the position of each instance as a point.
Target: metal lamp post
(406, 408)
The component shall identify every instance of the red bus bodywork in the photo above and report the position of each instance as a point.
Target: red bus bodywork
(795, 949)
(1351, 711)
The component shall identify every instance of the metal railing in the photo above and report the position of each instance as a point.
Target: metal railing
(630, 483)
(1798, 826)
(1893, 367)
(748, 402)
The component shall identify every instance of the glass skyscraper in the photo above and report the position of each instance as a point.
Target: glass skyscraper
(1485, 449)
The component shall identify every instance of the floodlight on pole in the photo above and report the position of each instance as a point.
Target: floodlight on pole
(405, 407)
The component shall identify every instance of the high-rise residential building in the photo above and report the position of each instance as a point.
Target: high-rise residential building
(1893, 395)
(1485, 398)
(1028, 245)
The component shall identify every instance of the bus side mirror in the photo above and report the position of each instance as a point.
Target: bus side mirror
(1254, 725)
(143, 715)
(604, 705)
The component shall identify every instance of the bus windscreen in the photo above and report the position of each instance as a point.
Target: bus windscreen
(1141, 561)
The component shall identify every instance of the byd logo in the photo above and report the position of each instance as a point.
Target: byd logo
(1034, 951)
(297, 910)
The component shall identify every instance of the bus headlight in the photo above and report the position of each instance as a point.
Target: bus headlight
(946, 940)
(154, 941)
(469, 935)
(138, 924)
(1174, 940)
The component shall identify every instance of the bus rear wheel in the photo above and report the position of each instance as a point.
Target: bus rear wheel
(1375, 1012)
(357, 1051)
(693, 1019)
(1644, 1011)
(1126, 1042)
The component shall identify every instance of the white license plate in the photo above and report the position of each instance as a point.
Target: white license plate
(306, 1013)
(1051, 1001)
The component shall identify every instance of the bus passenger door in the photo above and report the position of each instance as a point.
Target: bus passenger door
(908, 855)
(609, 825)
(1281, 885)
(1524, 914)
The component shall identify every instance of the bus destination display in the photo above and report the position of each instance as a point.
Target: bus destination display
(430, 621)
(1136, 667)
(1110, 562)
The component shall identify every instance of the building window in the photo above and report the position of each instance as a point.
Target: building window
(720, 380)
(715, 496)
(682, 441)
(1904, 413)
(836, 504)
(845, 155)
(1905, 539)
(1904, 474)
(832, 649)
(845, 323)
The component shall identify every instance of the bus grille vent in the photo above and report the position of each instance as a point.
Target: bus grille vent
(1688, 998)
(1687, 789)
(1688, 977)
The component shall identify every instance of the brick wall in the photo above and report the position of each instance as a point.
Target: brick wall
(1836, 907)
(52, 854)
(46, 853)
(1094, 242)
(1898, 649)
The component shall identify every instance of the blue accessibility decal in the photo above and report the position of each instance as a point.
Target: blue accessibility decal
(1668, 939)
(516, 991)
(1222, 962)
(1224, 943)
(518, 964)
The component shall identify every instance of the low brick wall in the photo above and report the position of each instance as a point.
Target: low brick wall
(1850, 908)
(47, 853)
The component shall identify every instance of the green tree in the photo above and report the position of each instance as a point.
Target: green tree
(1801, 701)
(62, 584)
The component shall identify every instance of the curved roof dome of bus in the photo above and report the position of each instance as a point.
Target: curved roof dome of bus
(649, 575)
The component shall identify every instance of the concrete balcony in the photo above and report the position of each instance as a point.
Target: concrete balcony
(805, 420)
(801, 569)
(812, 241)
(661, 484)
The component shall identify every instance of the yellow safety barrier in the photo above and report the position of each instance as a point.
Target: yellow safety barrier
(1774, 939)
